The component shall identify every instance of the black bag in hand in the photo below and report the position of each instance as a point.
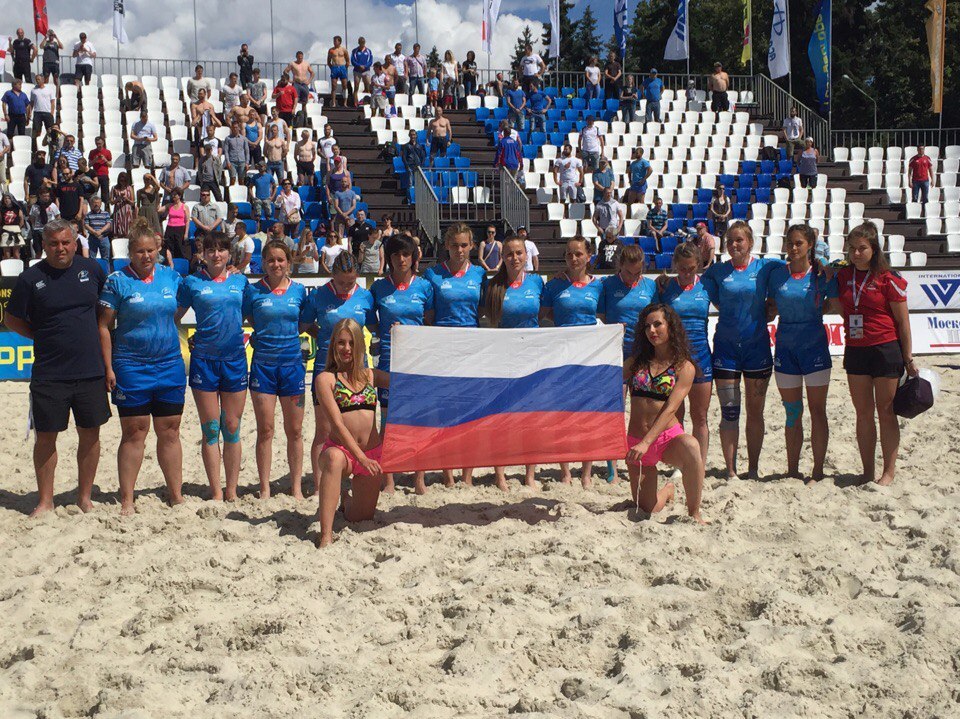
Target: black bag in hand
(913, 397)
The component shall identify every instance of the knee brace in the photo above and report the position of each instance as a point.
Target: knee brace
(211, 432)
(228, 436)
(794, 410)
(729, 407)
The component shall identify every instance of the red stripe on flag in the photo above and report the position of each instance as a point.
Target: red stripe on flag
(506, 439)
(40, 23)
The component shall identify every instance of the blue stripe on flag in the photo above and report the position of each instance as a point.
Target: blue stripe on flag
(448, 401)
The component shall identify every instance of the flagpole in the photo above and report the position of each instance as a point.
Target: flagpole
(686, 11)
(273, 59)
(786, 6)
(196, 37)
(750, 21)
(416, 22)
(830, 80)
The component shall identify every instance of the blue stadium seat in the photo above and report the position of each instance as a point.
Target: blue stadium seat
(565, 127)
(483, 113)
(538, 138)
(764, 180)
(727, 181)
(743, 194)
(595, 105)
(442, 163)
(531, 152)
(362, 206)
(105, 264)
(669, 244)
(182, 266)
(120, 263)
(648, 245)
(749, 166)
(411, 195)
(740, 210)
(674, 225)
(461, 162)
(443, 194)
(664, 260)
(627, 241)
(557, 139)
(785, 167)
(768, 167)
(499, 113)
(613, 105)
(568, 91)
(422, 139)
(561, 103)
(251, 226)
(571, 115)
(701, 210)
(314, 211)
(783, 153)
(491, 126)
(453, 150)
(704, 194)
(244, 210)
(315, 225)
(398, 166)
(306, 193)
(470, 178)
(553, 114)
(551, 92)
(578, 103)
(763, 194)
(745, 180)
(679, 210)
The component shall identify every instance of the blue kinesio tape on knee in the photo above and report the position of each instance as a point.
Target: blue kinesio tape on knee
(794, 410)
(211, 431)
(228, 436)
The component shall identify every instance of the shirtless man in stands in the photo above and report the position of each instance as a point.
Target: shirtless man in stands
(302, 75)
(337, 59)
(440, 133)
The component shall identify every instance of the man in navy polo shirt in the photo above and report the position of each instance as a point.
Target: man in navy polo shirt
(538, 102)
(15, 103)
(54, 303)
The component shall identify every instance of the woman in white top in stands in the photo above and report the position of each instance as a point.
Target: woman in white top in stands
(592, 72)
(330, 251)
(451, 75)
(306, 255)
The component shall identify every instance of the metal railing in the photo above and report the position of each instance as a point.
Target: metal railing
(427, 207)
(470, 195)
(514, 203)
(773, 100)
(931, 137)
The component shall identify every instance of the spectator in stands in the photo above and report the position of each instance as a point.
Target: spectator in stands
(148, 203)
(920, 174)
(538, 102)
(416, 70)
(197, 83)
(807, 164)
(531, 69)
(43, 103)
(568, 174)
(657, 220)
(603, 177)
(212, 142)
(337, 161)
(433, 89)
(236, 152)
(210, 173)
(253, 132)
(628, 102)
(652, 91)
(490, 251)
(101, 160)
(202, 116)
(591, 144)
(43, 211)
(468, 73)
(496, 86)
(173, 178)
(608, 251)
(134, 96)
(413, 155)
(691, 96)
(306, 256)
(11, 227)
(335, 173)
(143, 134)
(612, 77)
(609, 213)
(301, 72)
(386, 226)
(592, 74)
(305, 152)
(441, 133)
(175, 241)
(717, 84)
(707, 244)
(23, 52)
(15, 106)
(289, 208)
(390, 85)
(38, 174)
(278, 232)
(451, 79)
(516, 104)
(720, 210)
(533, 254)
(97, 226)
(330, 251)
(399, 61)
(84, 52)
(206, 215)
(70, 152)
(344, 205)
(370, 252)
(241, 249)
(792, 133)
(123, 202)
(285, 95)
(230, 221)
(51, 47)
(241, 112)
(274, 149)
(257, 90)
(337, 60)
(325, 148)
(640, 171)
(378, 91)
(245, 66)
(506, 128)
(87, 178)
(510, 153)
(54, 140)
(69, 199)
(230, 95)
(362, 60)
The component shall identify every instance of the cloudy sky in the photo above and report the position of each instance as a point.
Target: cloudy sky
(165, 29)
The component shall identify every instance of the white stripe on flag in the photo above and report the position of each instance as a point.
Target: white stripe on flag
(471, 352)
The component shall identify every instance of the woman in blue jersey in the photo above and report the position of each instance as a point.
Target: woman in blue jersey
(218, 360)
(513, 301)
(274, 306)
(686, 294)
(741, 343)
(571, 300)
(622, 298)
(400, 298)
(144, 366)
(458, 288)
(799, 290)
(339, 299)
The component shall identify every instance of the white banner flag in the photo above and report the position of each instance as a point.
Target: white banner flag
(119, 32)
(778, 57)
(678, 44)
(554, 29)
(491, 10)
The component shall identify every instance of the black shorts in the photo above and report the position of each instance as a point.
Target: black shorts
(51, 68)
(155, 408)
(747, 373)
(42, 119)
(22, 71)
(84, 71)
(884, 360)
(305, 168)
(51, 402)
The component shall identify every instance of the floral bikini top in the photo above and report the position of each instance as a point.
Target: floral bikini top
(350, 401)
(657, 386)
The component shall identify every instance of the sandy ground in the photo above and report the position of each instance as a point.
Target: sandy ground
(826, 601)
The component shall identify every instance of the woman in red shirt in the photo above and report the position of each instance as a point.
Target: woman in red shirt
(101, 160)
(878, 345)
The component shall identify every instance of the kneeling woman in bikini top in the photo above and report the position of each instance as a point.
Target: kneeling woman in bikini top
(346, 393)
(659, 374)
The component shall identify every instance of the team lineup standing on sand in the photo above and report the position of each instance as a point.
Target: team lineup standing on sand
(91, 330)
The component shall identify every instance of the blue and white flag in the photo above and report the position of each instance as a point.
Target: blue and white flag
(818, 50)
(491, 11)
(778, 57)
(620, 26)
(554, 50)
(527, 396)
(678, 44)
(119, 32)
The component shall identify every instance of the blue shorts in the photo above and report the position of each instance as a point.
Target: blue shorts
(700, 352)
(802, 351)
(303, 92)
(209, 375)
(735, 355)
(338, 72)
(642, 189)
(280, 380)
(140, 384)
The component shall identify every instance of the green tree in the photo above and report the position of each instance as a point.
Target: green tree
(568, 28)
(433, 58)
(586, 41)
(520, 49)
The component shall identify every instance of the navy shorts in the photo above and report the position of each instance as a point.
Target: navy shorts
(143, 387)
(640, 189)
(752, 357)
(802, 351)
(303, 92)
(700, 352)
(280, 380)
(208, 375)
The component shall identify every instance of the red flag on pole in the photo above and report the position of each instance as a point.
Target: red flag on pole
(40, 24)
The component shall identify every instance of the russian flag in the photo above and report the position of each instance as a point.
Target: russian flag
(484, 397)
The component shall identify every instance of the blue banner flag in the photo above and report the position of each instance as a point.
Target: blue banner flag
(818, 50)
(678, 44)
(620, 26)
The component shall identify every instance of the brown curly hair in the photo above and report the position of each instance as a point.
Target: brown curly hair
(643, 351)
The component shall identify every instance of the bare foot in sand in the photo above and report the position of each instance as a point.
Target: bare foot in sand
(41, 509)
(419, 485)
(264, 491)
(127, 510)
(325, 540)
(85, 505)
(885, 480)
(502, 485)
